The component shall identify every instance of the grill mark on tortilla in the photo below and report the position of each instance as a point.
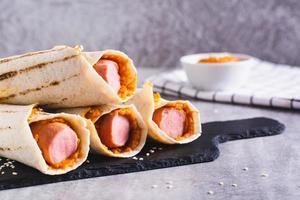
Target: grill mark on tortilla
(8, 111)
(25, 92)
(5, 128)
(4, 60)
(59, 102)
(11, 74)
(9, 149)
(7, 97)
(8, 75)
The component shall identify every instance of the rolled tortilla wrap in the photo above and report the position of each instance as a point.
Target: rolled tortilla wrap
(137, 131)
(148, 103)
(19, 143)
(64, 77)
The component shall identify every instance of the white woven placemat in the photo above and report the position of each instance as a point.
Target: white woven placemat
(270, 85)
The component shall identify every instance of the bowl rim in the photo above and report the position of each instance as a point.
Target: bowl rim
(246, 57)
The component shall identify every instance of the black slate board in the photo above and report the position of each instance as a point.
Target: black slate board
(204, 149)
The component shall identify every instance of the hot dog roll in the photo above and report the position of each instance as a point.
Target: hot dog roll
(116, 131)
(169, 122)
(52, 143)
(67, 77)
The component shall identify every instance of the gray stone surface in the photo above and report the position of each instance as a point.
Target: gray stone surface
(155, 33)
(277, 156)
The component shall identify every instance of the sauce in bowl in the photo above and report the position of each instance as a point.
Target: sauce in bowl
(217, 71)
(219, 59)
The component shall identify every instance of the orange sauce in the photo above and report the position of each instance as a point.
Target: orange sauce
(189, 128)
(69, 161)
(128, 77)
(135, 130)
(221, 59)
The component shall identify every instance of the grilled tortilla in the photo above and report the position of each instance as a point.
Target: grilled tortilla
(18, 142)
(137, 135)
(64, 77)
(146, 103)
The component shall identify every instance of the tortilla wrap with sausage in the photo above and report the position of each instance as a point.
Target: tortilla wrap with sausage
(67, 77)
(178, 121)
(116, 130)
(26, 138)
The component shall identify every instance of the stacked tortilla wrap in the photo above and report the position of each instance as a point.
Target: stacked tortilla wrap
(64, 77)
(89, 106)
(147, 103)
(17, 141)
(137, 135)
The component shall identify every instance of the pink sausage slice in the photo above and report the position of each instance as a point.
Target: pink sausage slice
(170, 120)
(108, 70)
(56, 140)
(113, 130)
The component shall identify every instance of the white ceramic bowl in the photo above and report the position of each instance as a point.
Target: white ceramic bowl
(217, 76)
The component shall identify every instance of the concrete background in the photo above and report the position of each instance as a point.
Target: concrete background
(155, 33)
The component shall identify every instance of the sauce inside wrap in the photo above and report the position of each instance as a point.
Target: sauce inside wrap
(57, 141)
(174, 118)
(118, 129)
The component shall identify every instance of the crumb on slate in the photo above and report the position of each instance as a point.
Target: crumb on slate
(169, 186)
(210, 192)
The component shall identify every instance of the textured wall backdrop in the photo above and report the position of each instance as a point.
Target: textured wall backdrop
(155, 33)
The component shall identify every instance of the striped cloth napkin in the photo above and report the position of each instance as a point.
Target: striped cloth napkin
(270, 84)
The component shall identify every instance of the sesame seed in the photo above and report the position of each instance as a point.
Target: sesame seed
(87, 161)
(221, 183)
(210, 192)
(152, 151)
(169, 186)
(14, 173)
(154, 148)
(234, 185)
(134, 158)
(2, 172)
(160, 148)
(245, 168)
(147, 154)
(154, 186)
(264, 175)
(141, 158)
